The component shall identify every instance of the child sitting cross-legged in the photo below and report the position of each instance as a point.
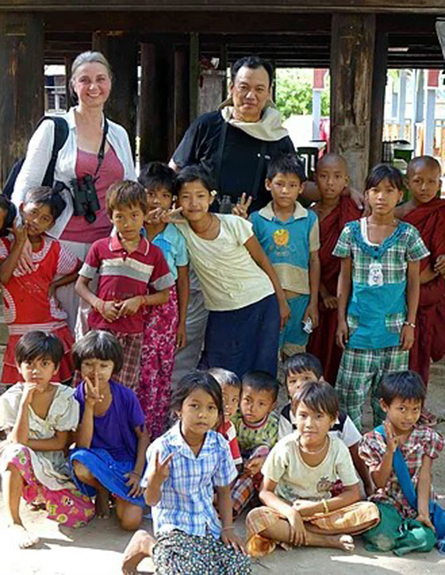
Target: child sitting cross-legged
(111, 439)
(184, 468)
(38, 417)
(298, 476)
(230, 385)
(402, 528)
(257, 430)
(299, 369)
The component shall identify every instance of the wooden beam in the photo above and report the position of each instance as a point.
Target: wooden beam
(380, 69)
(121, 50)
(193, 75)
(370, 6)
(21, 88)
(352, 57)
(181, 95)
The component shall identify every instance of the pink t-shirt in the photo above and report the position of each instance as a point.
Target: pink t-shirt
(111, 171)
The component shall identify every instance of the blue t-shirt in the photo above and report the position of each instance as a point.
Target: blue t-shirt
(172, 244)
(114, 430)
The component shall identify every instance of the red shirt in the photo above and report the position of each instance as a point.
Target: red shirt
(122, 276)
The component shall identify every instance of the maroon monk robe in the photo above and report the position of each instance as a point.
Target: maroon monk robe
(429, 344)
(322, 341)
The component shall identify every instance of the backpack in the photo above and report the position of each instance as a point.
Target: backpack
(60, 137)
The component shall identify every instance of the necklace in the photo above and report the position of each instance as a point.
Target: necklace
(304, 450)
(202, 232)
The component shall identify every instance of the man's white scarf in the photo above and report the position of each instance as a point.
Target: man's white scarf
(268, 128)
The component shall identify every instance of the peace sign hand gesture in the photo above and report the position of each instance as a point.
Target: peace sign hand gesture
(242, 208)
(92, 393)
(392, 440)
(161, 469)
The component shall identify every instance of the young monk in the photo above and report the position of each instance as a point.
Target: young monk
(334, 210)
(426, 212)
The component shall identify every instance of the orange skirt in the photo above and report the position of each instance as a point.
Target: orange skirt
(358, 517)
(11, 375)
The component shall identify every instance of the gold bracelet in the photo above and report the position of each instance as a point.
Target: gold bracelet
(325, 505)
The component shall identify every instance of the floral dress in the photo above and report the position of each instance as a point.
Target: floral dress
(45, 473)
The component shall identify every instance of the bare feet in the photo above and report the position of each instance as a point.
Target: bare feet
(138, 548)
(103, 504)
(21, 537)
(345, 542)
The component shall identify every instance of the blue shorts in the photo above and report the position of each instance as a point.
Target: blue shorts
(293, 333)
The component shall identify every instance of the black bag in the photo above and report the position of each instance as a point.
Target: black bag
(60, 137)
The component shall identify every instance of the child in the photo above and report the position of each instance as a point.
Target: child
(401, 396)
(164, 329)
(299, 369)
(426, 212)
(240, 287)
(257, 430)
(334, 210)
(29, 300)
(378, 294)
(127, 265)
(8, 213)
(185, 465)
(298, 476)
(289, 235)
(38, 417)
(110, 441)
(230, 385)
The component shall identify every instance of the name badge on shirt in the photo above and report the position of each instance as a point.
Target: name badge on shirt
(375, 277)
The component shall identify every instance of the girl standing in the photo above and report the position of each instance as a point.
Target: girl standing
(241, 289)
(111, 441)
(164, 330)
(185, 465)
(38, 416)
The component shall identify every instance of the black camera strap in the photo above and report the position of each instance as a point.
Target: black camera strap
(101, 152)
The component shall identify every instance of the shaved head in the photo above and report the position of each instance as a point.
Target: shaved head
(332, 160)
(427, 162)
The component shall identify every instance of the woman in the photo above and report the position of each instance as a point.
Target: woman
(95, 147)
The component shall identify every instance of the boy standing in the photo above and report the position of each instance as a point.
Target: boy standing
(378, 294)
(128, 266)
(426, 212)
(289, 235)
(401, 397)
(257, 431)
(334, 211)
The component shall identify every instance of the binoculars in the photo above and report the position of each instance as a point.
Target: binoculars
(85, 200)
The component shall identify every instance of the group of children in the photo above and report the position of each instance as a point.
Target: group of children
(354, 280)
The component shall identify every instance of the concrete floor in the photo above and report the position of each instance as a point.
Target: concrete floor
(97, 549)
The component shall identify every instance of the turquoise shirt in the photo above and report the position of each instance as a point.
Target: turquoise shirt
(172, 244)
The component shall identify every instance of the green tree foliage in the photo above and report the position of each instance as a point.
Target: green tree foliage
(294, 93)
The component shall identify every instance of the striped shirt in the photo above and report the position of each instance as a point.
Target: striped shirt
(122, 276)
(187, 494)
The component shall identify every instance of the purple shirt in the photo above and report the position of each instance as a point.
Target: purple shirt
(114, 430)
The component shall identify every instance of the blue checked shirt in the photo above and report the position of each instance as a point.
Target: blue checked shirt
(187, 494)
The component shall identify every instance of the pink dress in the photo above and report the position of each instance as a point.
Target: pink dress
(28, 305)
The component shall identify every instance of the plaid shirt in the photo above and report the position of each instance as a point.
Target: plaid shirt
(187, 494)
(402, 246)
(422, 441)
(250, 437)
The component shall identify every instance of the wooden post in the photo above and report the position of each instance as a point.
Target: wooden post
(22, 84)
(69, 98)
(223, 64)
(194, 75)
(352, 57)
(378, 98)
(155, 102)
(181, 95)
(121, 50)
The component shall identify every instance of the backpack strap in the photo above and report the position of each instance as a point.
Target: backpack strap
(60, 136)
(401, 469)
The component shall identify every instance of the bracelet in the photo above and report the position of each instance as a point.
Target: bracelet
(413, 325)
(325, 505)
(227, 528)
(136, 473)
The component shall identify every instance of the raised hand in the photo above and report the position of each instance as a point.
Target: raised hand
(242, 207)
(162, 469)
(392, 440)
(92, 392)
(28, 392)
